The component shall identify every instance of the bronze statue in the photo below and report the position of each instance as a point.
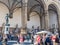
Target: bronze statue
(7, 19)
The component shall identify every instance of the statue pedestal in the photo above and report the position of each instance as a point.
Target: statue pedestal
(6, 31)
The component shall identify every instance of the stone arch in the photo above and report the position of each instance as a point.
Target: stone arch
(10, 8)
(4, 4)
(54, 4)
(3, 11)
(35, 12)
(9, 11)
(34, 20)
(54, 7)
(43, 5)
(33, 7)
(16, 16)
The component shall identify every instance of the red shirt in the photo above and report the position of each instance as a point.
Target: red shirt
(38, 39)
(53, 38)
(21, 39)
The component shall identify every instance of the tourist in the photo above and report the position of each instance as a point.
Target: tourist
(43, 39)
(53, 39)
(21, 38)
(38, 29)
(38, 39)
(57, 40)
(48, 41)
(32, 39)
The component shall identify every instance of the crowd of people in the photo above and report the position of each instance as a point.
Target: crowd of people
(42, 39)
(46, 40)
(36, 40)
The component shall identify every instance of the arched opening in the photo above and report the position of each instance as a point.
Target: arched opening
(38, 6)
(15, 22)
(3, 11)
(53, 17)
(34, 20)
(33, 4)
(16, 19)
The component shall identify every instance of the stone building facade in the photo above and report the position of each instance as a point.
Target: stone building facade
(28, 13)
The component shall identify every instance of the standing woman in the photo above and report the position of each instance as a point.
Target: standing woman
(21, 38)
(38, 39)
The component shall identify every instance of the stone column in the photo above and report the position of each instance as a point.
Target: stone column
(46, 17)
(24, 13)
(43, 21)
(58, 20)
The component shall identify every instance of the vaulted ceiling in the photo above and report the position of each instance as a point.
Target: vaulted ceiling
(35, 6)
(12, 5)
(52, 7)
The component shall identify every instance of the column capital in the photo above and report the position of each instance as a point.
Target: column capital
(45, 13)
